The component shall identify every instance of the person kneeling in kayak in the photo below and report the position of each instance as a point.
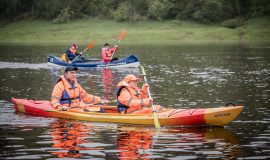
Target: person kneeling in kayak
(68, 93)
(131, 99)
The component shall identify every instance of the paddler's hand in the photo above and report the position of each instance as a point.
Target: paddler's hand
(147, 101)
(80, 53)
(144, 87)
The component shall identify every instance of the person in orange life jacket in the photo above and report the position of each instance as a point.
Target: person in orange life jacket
(107, 52)
(72, 53)
(68, 92)
(131, 99)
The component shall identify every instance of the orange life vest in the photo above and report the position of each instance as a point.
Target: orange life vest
(135, 96)
(71, 94)
(73, 50)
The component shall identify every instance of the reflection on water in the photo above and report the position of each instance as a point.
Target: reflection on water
(69, 139)
(179, 76)
(107, 78)
(141, 143)
(134, 143)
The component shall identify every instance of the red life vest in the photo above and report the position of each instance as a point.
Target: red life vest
(107, 52)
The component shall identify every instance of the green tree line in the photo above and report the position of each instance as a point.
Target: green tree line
(202, 11)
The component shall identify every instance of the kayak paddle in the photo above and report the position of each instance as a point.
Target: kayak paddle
(121, 36)
(88, 108)
(91, 45)
(156, 122)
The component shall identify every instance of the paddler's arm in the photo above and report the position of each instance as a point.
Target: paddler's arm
(125, 99)
(56, 95)
(143, 92)
(114, 49)
(69, 55)
(88, 98)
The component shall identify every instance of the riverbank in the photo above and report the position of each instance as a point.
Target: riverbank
(140, 33)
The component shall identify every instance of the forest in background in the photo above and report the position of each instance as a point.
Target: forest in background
(229, 13)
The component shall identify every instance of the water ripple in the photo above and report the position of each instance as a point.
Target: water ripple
(13, 65)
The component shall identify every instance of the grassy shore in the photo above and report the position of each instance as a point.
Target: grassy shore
(150, 32)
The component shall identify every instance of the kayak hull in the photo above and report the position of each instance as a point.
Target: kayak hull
(220, 116)
(129, 61)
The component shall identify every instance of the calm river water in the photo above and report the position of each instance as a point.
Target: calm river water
(184, 76)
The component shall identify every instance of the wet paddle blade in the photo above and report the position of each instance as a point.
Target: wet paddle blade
(156, 122)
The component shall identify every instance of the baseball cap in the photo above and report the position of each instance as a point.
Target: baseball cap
(131, 77)
(71, 68)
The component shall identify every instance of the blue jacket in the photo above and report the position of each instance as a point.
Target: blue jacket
(70, 55)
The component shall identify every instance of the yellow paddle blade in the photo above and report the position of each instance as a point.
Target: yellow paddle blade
(156, 122)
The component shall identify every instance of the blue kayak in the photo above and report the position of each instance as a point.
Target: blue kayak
(129, 61)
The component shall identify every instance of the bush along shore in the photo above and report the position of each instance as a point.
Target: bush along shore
(142, 32)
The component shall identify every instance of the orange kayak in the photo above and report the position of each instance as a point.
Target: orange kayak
(219, 116)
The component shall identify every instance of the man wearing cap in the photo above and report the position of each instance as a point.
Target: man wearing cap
(72, 52)
(107, 52)
(68, 92)
(131, 99)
